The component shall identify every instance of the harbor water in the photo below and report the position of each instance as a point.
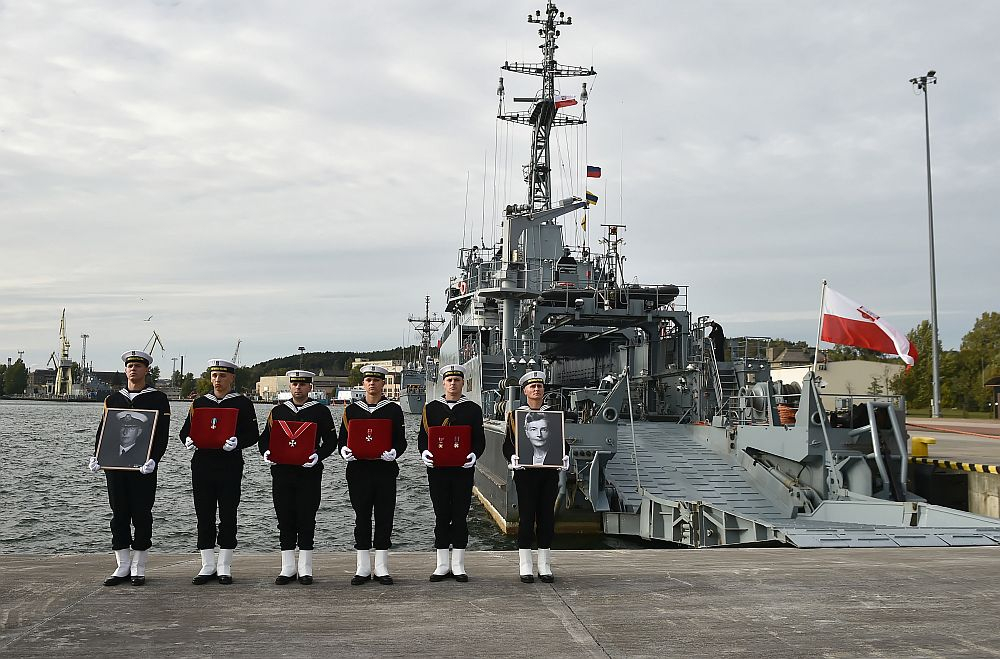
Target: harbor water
(51, 502)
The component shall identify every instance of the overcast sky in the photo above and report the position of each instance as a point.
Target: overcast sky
(295, 173)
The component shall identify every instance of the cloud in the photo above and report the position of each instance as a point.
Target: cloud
(297, 174)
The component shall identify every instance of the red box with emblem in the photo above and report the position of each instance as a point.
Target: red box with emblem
(450, 445)
(368, 439)
(292, 442)
(212, 426)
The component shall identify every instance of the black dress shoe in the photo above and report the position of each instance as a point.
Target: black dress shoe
(225, 579)
(527, 578)
(138, 581)
(114, 581)
(546, 578)
(358, 580)
(202, 579)
(306, 579)
(385, 580)
(282, 580)
(440, 577)
(461, 578)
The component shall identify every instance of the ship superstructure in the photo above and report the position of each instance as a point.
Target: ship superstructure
(738, 458)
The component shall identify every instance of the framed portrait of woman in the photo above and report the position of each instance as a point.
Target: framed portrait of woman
(126, 438)
(539, 438)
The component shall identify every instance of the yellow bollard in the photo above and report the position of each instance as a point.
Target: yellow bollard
(918, 446)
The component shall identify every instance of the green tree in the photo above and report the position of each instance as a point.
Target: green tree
(75, 372)
(354, 377)
(875, 387)
(980, 360)
(204, 384)
(3, 369)
(15, 378)
(915, 383)
(187, 385)
(176, 379)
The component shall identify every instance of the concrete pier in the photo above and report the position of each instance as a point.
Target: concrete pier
(662, 603)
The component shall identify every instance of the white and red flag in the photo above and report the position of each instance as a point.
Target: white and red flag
(564, 101)
(848, 323)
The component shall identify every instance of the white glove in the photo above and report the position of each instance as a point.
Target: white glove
(471, 461)
(347, 454)
(189, 445)
(92, 465)
(267, 458)
(389, 455)
(230, 444)
(426, 456)
(565, 464)
(148, 467)
(313, 459)
(515, 462)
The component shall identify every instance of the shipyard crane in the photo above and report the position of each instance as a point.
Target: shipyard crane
(153, 342)
(236, 353)
(64, 369)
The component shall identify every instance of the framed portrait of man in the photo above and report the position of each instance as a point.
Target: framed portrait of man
(126, 438)
(539, 438)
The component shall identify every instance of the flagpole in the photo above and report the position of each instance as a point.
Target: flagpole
(819, 326)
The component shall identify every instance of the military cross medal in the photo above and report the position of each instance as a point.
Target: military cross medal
(291, 442)
(368, 437)
(456, 441)
(215, 422)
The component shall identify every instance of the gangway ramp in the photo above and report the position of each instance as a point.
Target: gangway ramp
(669, 485)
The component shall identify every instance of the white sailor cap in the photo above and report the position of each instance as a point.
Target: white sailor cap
(130, 418)
(531, 377)
(223, 365)
(300, 376)
(130, 356)
(373, 371)
(452, 370)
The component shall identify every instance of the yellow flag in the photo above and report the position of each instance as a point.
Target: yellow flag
(583, 222)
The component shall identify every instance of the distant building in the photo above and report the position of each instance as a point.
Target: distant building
(854, 377)
(269, 386)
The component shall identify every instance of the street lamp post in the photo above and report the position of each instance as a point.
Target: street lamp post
(302, 352)
(921, 84)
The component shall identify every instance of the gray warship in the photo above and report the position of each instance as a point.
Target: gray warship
(412, 380)
(733, 457)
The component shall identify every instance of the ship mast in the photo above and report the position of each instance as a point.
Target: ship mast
(542, 116)
(426, 326)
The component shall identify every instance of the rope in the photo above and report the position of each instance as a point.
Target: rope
(950, 431)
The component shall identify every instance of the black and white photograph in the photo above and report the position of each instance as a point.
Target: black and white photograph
(126, 438)
(539, 438)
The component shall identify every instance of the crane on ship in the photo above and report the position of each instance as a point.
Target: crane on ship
(236, 353)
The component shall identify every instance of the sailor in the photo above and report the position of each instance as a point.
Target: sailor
(451, 487)
(217, 474)
(371, 484)
(536, 490)
(296, 488)
(131, 493)
(718, 339)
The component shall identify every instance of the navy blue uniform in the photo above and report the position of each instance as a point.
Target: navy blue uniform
(296, 489)
(217, 475)
(130, 493)
(372, 483)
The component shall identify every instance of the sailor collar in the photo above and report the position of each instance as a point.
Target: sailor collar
(231, 394)
(297, 408)
(363, 404)
(452, 403)
(132, 394)
(540, 409)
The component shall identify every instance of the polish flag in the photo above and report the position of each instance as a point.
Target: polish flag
(848, 323)
(564, 101)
